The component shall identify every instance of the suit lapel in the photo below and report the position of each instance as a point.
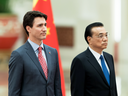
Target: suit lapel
(32, 55)
(96, 65)
(109, 63)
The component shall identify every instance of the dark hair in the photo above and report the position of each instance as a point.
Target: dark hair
(88, 29)
(29, 18)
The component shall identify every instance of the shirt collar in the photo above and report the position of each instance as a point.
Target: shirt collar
(34, 45)
(96, 55)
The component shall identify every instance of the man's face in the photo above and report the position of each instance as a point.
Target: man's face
(99, 39)
(38, 31)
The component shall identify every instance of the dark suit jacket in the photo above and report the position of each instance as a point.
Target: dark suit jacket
(87, 77)
(26, 77)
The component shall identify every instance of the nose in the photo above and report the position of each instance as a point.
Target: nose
(105, 38)
(44, 28)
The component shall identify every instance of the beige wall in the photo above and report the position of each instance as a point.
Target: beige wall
(79, 14)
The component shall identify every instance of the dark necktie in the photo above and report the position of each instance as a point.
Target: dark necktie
(42, 62)
(105, 71)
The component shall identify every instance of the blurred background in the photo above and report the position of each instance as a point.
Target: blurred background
(71, 18)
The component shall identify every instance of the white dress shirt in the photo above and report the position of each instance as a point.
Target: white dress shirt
(35, 48)
(97, 56)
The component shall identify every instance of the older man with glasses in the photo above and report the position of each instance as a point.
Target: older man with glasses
(92, 71)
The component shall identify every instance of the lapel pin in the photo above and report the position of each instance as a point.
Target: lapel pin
(49, 52)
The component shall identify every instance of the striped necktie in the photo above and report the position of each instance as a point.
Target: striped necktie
(42, 62)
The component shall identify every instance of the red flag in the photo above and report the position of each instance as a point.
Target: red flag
(44, 6)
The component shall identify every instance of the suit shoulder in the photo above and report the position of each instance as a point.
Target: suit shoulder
(81, 55)
(49, 47)
(107, 53)
(20, 50)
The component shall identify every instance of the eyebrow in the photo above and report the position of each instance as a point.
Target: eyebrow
(41, 24)
(103, 33)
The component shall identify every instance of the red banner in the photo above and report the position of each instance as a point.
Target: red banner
(44, 6)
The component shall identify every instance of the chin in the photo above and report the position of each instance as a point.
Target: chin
(43, 38)
(105, 47)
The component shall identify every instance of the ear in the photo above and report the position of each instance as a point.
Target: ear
(28, 28)
(89, 39)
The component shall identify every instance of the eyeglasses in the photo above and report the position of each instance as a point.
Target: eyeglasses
(101, 35)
